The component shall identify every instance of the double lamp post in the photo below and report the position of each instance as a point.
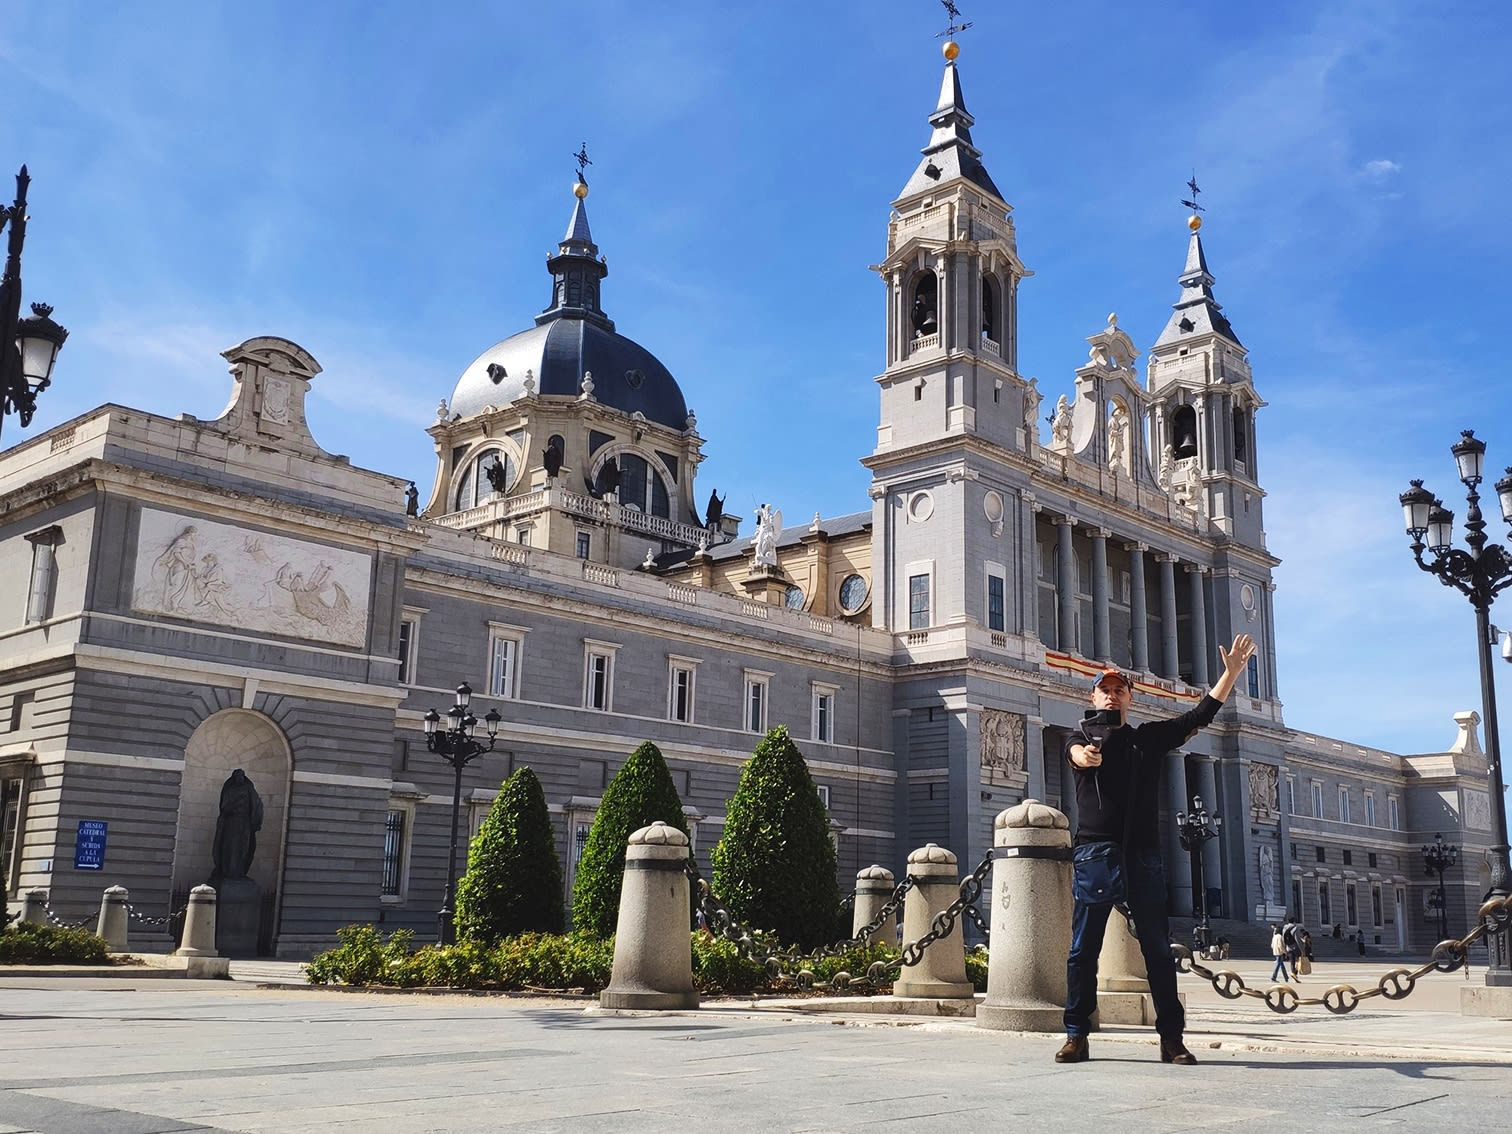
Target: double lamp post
(1479, 574)
(1439, 856)
(1194, 828)
(457, 745)
(28, 347)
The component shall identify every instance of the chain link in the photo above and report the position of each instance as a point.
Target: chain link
(1495, 916)
(60, 923)
(155, 922)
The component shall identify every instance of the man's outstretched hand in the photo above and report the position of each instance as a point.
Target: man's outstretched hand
(1237, 656)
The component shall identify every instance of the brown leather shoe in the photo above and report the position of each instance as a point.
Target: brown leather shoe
(1174, 1051)
(1074, 1050)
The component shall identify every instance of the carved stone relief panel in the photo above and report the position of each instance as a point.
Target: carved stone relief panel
(226, 575)
(1003, 750)
(1265, 795)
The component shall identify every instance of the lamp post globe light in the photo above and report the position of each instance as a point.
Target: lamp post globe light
(28, 347)
(1480, 574)
(1439, 856)
(1194, 828)
(457, 745)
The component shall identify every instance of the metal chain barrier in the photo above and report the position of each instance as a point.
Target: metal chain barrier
(778, 961)
(60, 923)
(156, 922)
(1495, 917)
(944, 921)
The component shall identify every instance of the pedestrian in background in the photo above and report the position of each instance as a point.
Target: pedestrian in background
(1279, 971)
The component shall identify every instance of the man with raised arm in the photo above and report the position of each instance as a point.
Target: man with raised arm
(1118, 791)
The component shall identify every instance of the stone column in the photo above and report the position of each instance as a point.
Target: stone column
(1139, 618)
(112, 921)
(1199, 626)
(941, 973)
(1178, 800)
(1031, 920)
(1065, 584)
(1212, 853)
(1170, 658)
(34, 907)
(653, 950)
(199, 924)
(1101, 646)
(874, 886)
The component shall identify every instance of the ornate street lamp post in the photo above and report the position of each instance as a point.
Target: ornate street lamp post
(1195, 828)
(1479, 574)
(28, 347)
(1439, 856)
(455, 744)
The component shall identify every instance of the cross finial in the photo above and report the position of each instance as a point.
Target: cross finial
(1192, 204)
(583, 162)
(955, 14)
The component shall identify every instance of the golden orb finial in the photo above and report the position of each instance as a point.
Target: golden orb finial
(951, 49)
(1194, 222)
(580, 190)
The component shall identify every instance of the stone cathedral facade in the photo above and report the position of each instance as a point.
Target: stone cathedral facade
(211, 595)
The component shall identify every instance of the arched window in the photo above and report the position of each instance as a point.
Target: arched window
(486, 475)
(1241, 436)
(641, 486)
(924, 317)
(989, 308)
(1184, 432)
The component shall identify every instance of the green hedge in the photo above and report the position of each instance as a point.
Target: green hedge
(513, 883)
(774, 864)
(641, 792)
(27, 943)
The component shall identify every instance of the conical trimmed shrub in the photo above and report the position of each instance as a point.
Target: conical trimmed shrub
(774, 866)
(641, 793)
(513, 883)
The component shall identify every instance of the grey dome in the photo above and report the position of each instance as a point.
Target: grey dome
(571, 337)
(626, 376)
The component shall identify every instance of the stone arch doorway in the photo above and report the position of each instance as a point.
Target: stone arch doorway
(225, 741)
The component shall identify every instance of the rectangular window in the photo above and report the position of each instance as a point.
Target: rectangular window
(823, 717)
(1351, 907)
(596, 681)
(1343, 805)
(681, 673)
(995, 607)
(1391, 813)
(1375, 905)
(756, 687)
(44, 572)
(522, 534)
(918, 602)
(584, 545)
(393, 854)
(1349, 858)
(10, 822)
(824, 795)
(1322, 855)
(1317, 800)
(1254, 677)
(1371, 858)
(1325, 907)
(1369, 810)
(506, 647)
(1297, 896)
(1291, 795)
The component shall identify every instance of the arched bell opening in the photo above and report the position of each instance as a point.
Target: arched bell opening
(1183, 432)
(925, 317)
(991, 303)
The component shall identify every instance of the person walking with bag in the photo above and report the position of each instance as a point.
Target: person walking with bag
(1279, 972)
(1117, 769)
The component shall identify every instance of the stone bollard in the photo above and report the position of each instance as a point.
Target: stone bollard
(199, 924)
(941, 974)
(112, 924)
(34, 907)
(653, 949)
(874, 886)
(1123, 988)
(1031, 920)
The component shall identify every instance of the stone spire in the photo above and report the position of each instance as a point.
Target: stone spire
(950, 153)
(1196, 312)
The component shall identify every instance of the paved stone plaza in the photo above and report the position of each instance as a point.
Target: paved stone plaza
(139, 1055)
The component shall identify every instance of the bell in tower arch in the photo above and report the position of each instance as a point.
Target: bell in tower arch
(925, 305)
(1184, 432)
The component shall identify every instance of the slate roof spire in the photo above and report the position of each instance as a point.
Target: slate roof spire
(577, 268)
(951, 153)
(1196, 312)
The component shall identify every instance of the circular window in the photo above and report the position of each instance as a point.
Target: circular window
(992, 507)
(1247, 597)
(920, 507)
(852, 593)
(793, 599)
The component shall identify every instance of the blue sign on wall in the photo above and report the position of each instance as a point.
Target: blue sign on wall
(89, 848)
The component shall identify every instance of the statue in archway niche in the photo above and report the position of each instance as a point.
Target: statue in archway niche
(241, 817)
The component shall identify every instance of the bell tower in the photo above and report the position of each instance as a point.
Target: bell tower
(1203, 405)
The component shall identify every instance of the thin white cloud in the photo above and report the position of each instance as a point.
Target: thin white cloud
(1379, 170)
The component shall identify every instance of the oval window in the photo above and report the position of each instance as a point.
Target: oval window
(852, 593)
(793, 599)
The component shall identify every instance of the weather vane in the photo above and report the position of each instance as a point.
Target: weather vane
(955, 14)
(1192, 204)
(583, 162)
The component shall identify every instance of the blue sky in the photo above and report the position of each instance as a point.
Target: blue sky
(380, 186)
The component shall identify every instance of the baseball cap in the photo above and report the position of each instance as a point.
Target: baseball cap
(1114, 675)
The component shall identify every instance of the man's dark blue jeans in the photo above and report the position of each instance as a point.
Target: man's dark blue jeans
(1145, 875)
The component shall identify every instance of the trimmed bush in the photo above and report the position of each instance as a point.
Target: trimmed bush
(641, 793)
(535, 961)
(26, 943)
(513, 882)
(774, 866)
